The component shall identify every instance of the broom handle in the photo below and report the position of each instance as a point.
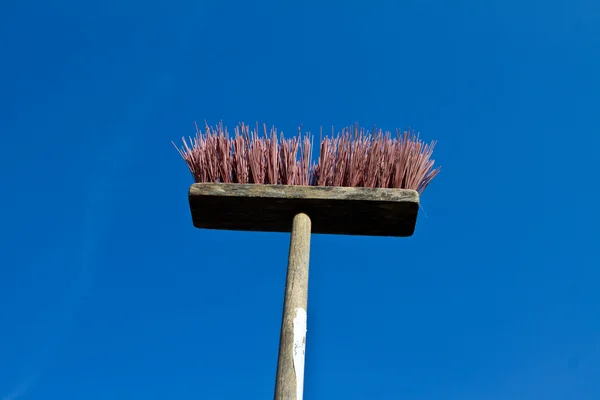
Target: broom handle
(290, 364)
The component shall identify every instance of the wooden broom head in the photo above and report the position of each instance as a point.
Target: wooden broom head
(332, 210)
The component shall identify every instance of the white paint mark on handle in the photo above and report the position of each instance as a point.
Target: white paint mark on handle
(299, 348)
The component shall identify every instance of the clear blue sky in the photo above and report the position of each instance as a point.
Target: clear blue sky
(107, 291)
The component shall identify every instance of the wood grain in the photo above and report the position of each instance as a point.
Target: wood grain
(332, 210)
(290, 363)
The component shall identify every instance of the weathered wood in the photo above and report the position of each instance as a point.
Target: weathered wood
(289, 384)
(333, 210)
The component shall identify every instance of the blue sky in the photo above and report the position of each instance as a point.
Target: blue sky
(107, 290)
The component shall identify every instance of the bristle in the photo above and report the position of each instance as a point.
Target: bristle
(288, 161)
(272, 157)
(256, 157)
(240, 156)
(304, 166)
(354, 157)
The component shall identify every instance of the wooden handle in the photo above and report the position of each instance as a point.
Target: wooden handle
(290, 365)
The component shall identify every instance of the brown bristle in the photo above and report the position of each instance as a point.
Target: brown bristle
(352, 158)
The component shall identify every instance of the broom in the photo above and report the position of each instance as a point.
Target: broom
(363, 183)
